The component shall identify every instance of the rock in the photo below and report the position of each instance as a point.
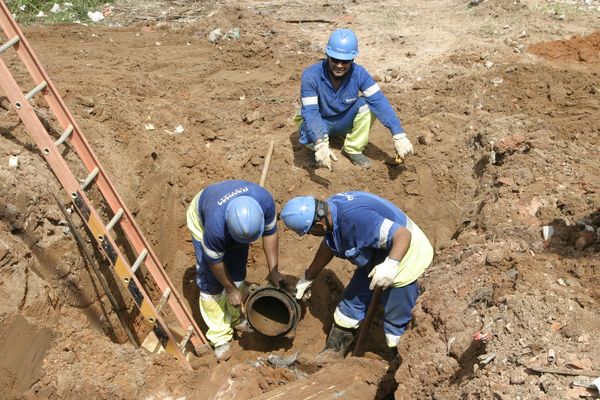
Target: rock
(517, 377)
(215, 35)
(495, 257)
(252, 116)
(488, 64)
(387, 78)
(234, 34)
(584, 240)
(425, 138)
(377, 78)
(85, 101)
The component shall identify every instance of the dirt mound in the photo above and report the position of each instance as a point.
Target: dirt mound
(578, 48)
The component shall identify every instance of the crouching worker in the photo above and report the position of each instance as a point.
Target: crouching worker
(387, 248)
(224, 219)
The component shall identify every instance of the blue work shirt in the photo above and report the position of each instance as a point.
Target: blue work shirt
(211, 206)
(363, 227)
(321, 101)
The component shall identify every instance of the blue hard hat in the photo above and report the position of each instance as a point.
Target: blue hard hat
(298, 214)
(342, 45)
(245, 219)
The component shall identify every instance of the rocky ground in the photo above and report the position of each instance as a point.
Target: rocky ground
(501, 99)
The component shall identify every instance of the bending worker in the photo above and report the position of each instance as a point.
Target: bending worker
(331, 105)
(387, 248)
(224, 219)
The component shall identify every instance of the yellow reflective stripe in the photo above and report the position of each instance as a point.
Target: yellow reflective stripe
(193, 219)
(344, 321)
(417, 259)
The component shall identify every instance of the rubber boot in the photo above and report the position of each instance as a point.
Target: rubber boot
(337, 344)
(359, 159)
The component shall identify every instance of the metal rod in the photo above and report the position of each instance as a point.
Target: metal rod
(36, 90)
(139, 261)
(114, 220)
(265, 170)
(86, 255)
(9, 44)
(366, 325)
(64, 136)
(163, 300)
(90, 178)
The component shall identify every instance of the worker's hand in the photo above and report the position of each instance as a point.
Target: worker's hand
(234, 297)
(403, 146)
(383, 274)
(324, 155)
(276, 278)
(301, 287)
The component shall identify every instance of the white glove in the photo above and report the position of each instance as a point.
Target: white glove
(383, 274)
(403, 146)
(324, 155)
(301, 287)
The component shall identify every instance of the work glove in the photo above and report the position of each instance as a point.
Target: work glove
(403, 146)
(324, 155)
(301, 287)
(383, 274)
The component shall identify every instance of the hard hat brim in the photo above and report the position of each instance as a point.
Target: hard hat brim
(341, 56)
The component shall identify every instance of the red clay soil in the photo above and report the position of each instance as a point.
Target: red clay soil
(505, 144)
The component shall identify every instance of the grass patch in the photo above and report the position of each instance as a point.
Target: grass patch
(30, 12)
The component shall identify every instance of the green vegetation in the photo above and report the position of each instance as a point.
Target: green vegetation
(28, 12)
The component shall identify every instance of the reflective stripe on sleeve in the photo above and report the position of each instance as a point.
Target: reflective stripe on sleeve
(271, 224)
(372, 90)
(310, 101)
(384, 230)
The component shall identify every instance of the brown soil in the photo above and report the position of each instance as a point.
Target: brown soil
(501, 101)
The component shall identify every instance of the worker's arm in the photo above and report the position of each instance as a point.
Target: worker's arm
(400, 244)
(384, 274)
(309, 99)
(271, 249)
(234, 296)
(322, 257)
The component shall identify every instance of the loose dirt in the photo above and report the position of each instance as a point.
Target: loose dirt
(501, 100)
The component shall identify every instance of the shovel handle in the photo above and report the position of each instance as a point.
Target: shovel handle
(366, 325)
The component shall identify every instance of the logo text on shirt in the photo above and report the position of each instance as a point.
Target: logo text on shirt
(229, 195)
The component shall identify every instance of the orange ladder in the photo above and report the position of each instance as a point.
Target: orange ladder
(50, 149)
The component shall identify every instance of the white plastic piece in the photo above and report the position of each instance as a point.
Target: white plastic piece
(13, 161)
(547, 232)
(95, 16)
(179, 129)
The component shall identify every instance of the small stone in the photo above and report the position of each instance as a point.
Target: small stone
(425, 139)
(84, 101)
(517, 378)
(252, 116)
(488, 64)
(494, 257)
(387, 78)
(215, 35)
(377, 78)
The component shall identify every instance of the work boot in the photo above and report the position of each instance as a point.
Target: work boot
(242, 326)
(358, 159)
(223, 352)
(337, 344)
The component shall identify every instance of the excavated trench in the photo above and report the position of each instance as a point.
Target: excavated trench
(492, 150)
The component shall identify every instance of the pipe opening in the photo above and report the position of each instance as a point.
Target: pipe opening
(270, 316)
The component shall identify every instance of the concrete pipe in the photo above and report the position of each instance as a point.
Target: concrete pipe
(272, 312)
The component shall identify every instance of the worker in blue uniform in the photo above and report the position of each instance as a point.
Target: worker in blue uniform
(224, 219)
(339, 97)
(386, 246)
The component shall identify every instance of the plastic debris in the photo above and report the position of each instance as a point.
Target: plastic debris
(95, 16)
(40, 14)
(13, 161)
(215, 35)
(179, 129)
(282, 361)
(483, 336)
(55, 8)
(547, 232)
(551, 356)
(486, 358)
(149, 127)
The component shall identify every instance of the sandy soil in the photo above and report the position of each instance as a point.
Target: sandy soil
(501, 100)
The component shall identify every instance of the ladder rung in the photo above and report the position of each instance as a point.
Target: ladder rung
(163, 300)
(90, 177)
(114, 220)
(64, 136)
(9, 44)
(36, 90)
(139, 261)
(186, 338)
